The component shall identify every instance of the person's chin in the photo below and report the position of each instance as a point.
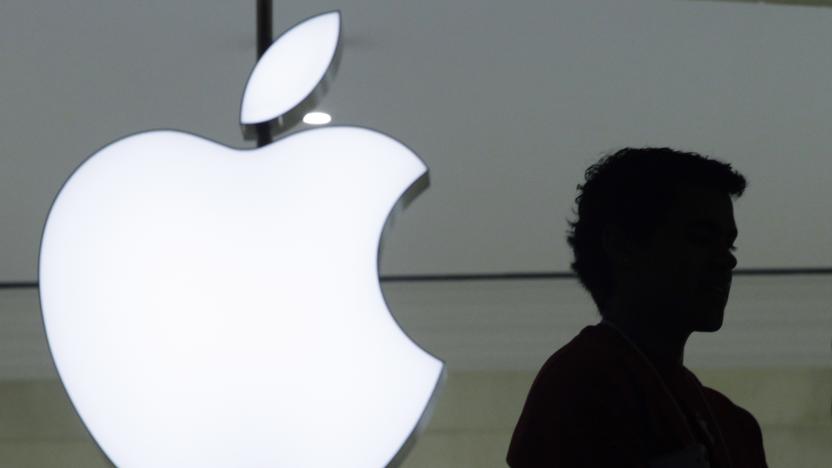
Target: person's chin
(710, 327)
(713, 313)
(711, 322)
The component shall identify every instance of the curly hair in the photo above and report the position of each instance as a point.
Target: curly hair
(634, 189)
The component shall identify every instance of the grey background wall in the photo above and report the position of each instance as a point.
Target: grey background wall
(508, 103)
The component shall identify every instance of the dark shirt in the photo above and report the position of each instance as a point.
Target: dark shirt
(597, 403)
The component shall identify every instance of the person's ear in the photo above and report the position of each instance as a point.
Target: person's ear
(617, 246)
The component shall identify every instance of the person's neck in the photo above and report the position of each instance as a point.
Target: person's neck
(663, 345)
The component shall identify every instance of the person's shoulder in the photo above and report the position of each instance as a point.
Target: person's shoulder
(573, 405)
(726, 406)
(585, 360)
(719, 400)
(740, 428)
(727, 411)
(592, 344)
(571, 386)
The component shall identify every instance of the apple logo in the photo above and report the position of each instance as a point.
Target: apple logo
(213, 307)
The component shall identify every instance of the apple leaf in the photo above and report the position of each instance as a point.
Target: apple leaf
(293, 73)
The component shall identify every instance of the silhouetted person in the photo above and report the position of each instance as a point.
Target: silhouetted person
(653, 246)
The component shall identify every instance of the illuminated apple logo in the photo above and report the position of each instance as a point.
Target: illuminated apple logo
(213, 307)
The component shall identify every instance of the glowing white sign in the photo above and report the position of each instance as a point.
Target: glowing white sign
(213, 307)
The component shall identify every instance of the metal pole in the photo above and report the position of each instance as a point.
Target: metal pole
(264, 40)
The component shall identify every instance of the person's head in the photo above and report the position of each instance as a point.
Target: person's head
(655, 229)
